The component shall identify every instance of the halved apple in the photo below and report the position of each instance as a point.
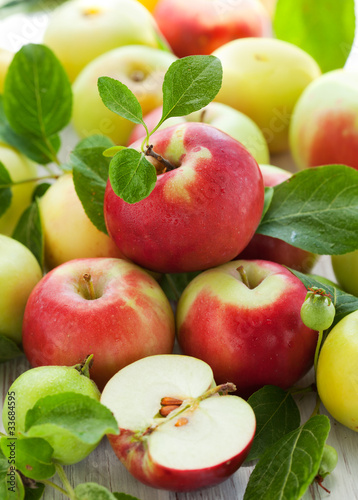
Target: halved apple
(178, 431)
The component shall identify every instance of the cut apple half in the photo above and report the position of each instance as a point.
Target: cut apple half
(178, 431)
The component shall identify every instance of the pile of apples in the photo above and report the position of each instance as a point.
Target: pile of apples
(239, 319)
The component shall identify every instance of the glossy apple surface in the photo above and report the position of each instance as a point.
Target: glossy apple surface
(81, 30)
(263, 78)
(5, 60)
(20, 168)
(199, 443)
(337, 372)
(200, 27)
(193, 217)
(324, 127)
(19, 273)
(127, 317)
(250, 333)
(37, 383)
(221, 116)
(274, 249)
(345, 268)
(68, 232)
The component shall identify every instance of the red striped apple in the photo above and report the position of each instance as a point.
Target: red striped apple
(243, 318)
(106, 307)
(176, 432)
(200, 214)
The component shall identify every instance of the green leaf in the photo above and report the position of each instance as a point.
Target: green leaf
(276, 414)
(34, 492)
(119, 99)
(5, 191)
(14, 490)
(29, 231)
(190, 84)
(110, 152)
(289, 466)
(316, 209)
(40, 190)
(33, 456)
(37, 93)
(90, 175)
(343, 302)
(323, 28)
(267, 200)
(131, 175)
(174, 284)
(5, 178)
(84, 417)
(8, 349)
(93, 491)
(124, 496)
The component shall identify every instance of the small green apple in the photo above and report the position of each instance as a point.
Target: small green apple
(19, 273)
(345, 268)
(43, 381)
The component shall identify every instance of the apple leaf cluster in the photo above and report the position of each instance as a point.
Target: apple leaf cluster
(310, 28)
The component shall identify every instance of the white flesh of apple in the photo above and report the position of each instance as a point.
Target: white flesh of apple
(217, 429)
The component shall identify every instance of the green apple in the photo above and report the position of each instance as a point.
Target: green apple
(19, 168)
(68, 232)
(263, 78)
(139, 67)
(43, 381)
(345, 269)
(81, 30)
(19, 273)
(337, 372)
(5, 60)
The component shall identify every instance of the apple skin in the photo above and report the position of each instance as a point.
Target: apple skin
(140, 68)
(337, 372)
(252, 337)
(5, 60)
(192, 218)
(330, 135)
(20, 168)
(95, 27)
(200, 27)
(285, 70)
(37, 383)
(130, 319)
(19, 273)
(274, 249)
(68, 232)
(345, 268)
(221, 116)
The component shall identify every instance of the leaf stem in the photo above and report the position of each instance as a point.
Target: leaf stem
(32, 179)
(62, 475)
(46, 482)
(167, 165)
(318, 348)
(172, 286)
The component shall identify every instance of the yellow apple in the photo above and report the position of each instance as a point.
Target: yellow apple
(68, 232)
(263, 78)
(5, 60)
(19, 168)
(149, 4)
(81, 30)
(139, 67)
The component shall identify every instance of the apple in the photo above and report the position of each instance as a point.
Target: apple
(221, 116)
(263, 78)
(68, 232)
(37, 383)
(345, 268)
(243, 319)
(324, 126)
(201, 213)
(200, 27)
(274, 249)
(20, 168)
(81, 30)
(337, 372)
(149, 4)
(108, 307)
(19, 273)
(140, 68)
(176, 432)
(5, 60)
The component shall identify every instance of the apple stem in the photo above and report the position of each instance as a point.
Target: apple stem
(202, 115)
(84, 368)
(243, 274)
(318, 348)
(319, 480)
(167, 165)
(225, 388)
(90, 288)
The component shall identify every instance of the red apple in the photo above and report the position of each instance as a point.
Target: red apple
(199, 215)
(200, 27)
(243, 318)
(106, 307)
(176, 432)
(324, 126)
(274, 249)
